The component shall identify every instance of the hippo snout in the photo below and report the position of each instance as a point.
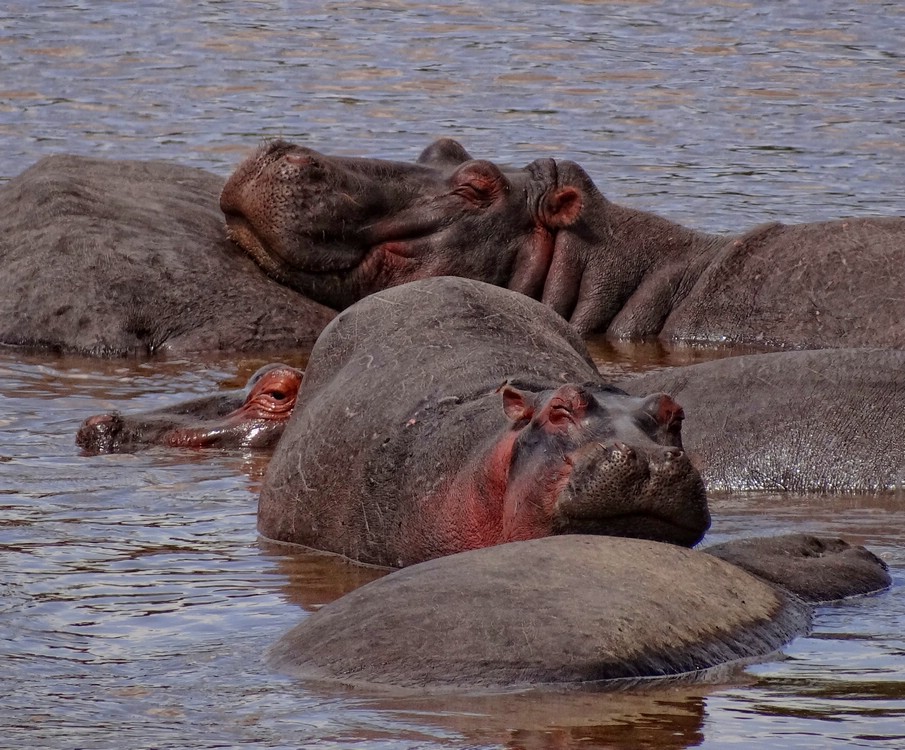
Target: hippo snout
(650, 491)
(100, 433)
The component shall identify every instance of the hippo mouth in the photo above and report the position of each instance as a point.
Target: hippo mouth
(615, 490)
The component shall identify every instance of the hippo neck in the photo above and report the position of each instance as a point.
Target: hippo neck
(647, 265)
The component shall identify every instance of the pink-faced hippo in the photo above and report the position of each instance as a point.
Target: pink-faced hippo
(808, 421)
(572, 611)
(448, 414)
(111, 258)
(337, 232)
(253, 417)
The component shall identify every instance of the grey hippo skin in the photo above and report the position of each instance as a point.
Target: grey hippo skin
(111, 258)
(335, 232)
(557, 611)
(807, 421)
(448, 414)
(253, 417)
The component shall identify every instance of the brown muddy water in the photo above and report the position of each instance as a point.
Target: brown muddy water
(135, 596)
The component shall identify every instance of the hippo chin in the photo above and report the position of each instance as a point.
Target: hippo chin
(337, 229)
(250, 418)
(448, 414)
(573, 611)
(114, 258)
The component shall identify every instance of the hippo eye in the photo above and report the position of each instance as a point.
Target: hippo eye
(475, 193)
(277, 395)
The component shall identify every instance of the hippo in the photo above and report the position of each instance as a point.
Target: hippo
(448, 414)
(807, 421)
(114, 257)
(571, 611)
(320, 225)
(253, 417)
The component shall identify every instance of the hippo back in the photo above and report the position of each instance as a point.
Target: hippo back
(824, 420)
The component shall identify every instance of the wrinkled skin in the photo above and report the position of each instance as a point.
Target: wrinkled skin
(112, 258)
(253, 417)
(807, 421)
(568, 611)
(337, 229)
(448, 414)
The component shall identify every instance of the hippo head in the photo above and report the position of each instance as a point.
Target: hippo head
(250, 418)
(593, 460)
(337, 229)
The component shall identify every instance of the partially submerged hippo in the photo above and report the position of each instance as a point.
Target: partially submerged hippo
(337, 231)
(807, 421)
(447, 414)
(253, 417)
(571, 611)
(107, 257)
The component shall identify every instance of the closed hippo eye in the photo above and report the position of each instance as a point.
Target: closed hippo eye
(480, 183)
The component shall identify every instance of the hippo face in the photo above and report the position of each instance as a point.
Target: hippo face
(251, 418)
(337, 229)
(594, 460)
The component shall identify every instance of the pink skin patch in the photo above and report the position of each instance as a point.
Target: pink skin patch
(484, 505)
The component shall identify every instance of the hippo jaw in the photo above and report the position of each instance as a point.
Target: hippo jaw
(616, 490)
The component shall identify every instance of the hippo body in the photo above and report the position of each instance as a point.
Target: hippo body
(448, 414)
(313, 222)
(564, 611)
(106, 257)
(253, 417)
(807, 421)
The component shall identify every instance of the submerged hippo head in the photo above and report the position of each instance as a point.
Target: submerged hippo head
(590, 459)
(337, 229)
(252, 418)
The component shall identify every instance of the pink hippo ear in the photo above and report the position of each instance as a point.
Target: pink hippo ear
(567, 405)
(516, 404)
(562, 208)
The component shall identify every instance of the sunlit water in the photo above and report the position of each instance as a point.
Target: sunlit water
(136, 598)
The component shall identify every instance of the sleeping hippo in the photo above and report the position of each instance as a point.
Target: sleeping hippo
(574, 611)
(112, 258)
(335, 232)
(253, 417)
(807, 421)
(448, 414)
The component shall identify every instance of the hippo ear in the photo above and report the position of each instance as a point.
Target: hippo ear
(444, 152)
(516, 405)
(562, 207)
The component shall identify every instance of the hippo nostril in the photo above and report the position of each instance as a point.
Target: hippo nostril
(100, 420)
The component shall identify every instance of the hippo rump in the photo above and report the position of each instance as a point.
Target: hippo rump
(808, 421)
(106, 257)
(570, 611)
(448, 414)
(253, 417)
(321, 226)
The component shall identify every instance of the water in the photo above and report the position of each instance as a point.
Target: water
(137, 600)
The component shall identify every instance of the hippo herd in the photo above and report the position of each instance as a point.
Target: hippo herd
(451, 422)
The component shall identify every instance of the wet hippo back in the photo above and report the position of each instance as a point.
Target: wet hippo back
(811, 421)
(111, 257)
